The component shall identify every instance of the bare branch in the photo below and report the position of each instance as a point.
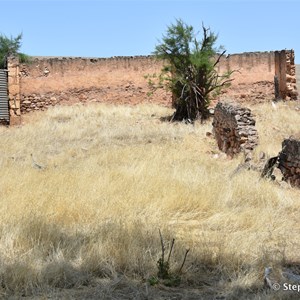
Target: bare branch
(218, 60)
(186, 253)
(172, 245)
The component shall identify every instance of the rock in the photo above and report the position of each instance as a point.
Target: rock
(233, 127)
(262, 155)
(248, 157)
(46, 72)
(289, 161)
(269, 167)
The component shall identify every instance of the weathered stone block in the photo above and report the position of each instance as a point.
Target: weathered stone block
(14, 104)
(289, 161)
(233, 127)
(14, 89)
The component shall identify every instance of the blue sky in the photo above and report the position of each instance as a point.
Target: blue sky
(94, 28)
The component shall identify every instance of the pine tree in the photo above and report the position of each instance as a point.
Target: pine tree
(190, 70)
(10, 46)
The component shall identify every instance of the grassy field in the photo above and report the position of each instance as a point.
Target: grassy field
(85, 225)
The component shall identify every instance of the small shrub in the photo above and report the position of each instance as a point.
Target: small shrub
(164, 275)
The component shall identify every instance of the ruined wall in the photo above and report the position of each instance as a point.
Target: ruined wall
(253, 77)
(121, 80)
(49, 81)
(289, 161)
(285, 72)
(14, 96)
(234, 129)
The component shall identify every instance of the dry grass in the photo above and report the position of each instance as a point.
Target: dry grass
(86, 226)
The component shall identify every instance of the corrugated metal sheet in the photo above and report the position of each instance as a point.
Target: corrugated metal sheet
(4, 109)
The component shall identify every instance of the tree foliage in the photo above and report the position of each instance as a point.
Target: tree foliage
(11, 46)
(190, 69)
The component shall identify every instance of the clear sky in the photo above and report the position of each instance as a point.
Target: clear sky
(99, 28)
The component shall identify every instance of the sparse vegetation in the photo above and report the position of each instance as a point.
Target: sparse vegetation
(86, 226)
(165, 275)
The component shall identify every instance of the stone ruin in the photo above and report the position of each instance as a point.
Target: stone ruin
(291, 84)
(234, 129)
(289, 161)
(285, 75)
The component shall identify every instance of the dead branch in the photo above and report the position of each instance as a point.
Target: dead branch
(186, 253)
(172, 245)
(218, 60)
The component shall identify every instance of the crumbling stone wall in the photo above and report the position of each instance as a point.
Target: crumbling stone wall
(48, 81)
(254, 77)
(289, 161)
(14, 90)
(234, 129)
(285, 75)
(129, 93)
(291, 85)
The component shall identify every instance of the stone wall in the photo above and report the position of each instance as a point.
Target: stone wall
(234, 129)
(14, 90)
(289, 161)
(285, 75)
(251, 66)
(58, 80)
(291, 84)
(48, 81)
(253, 76)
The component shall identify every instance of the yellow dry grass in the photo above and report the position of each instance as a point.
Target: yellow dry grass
(111, 177)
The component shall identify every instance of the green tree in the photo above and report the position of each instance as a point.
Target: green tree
(189, 71)
(10, 46)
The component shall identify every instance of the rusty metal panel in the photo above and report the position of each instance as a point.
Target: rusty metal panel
(4, 108)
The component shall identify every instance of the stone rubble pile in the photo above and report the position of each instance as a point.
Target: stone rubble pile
(234, 129)
(289, 161)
